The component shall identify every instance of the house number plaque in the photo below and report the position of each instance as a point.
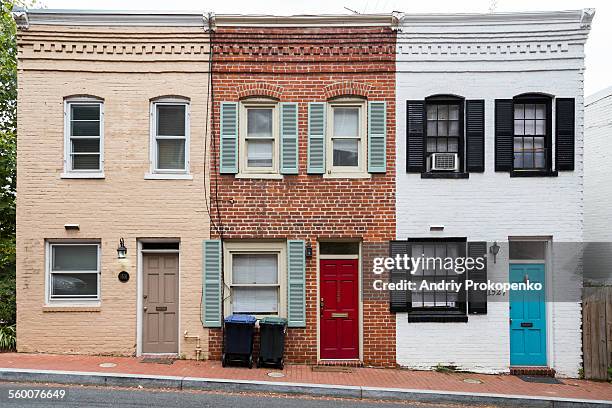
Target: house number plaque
(124, 276)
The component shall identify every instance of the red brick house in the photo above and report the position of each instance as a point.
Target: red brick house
(302, 181)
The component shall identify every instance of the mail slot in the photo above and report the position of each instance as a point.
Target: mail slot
(339, 315)
(528, 324)
(161, 308)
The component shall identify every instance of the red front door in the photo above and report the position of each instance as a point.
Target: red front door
(339, 309)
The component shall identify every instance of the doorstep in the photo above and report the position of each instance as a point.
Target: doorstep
(340, 363)
(532, 370)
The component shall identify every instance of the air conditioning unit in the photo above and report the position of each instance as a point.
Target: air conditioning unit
(443, 162)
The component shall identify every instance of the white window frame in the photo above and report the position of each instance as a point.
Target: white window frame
(156, 173)
(68, 171)
(261, 172)
(247, 248)
(70, 301)
(362, 150)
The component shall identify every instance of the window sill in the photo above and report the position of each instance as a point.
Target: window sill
(437, 318)
(265, 176)
(529, 173)
(347, 175)
(71, 308)
(167, 176)
(82, 175)
(445, 175)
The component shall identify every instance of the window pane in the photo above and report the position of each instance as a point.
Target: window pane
(171, 120)
(74, 285)
(540, 161)
(442, 145)
(453, 128)
(85, 128)
(259, 153)
(540, 111)
(259, 123)
(540, 127)
(171, 154)
(85, 162)
(453, 112)
(339, 248)
(346, 122)
(255, 300)
(432, 128)
(529, 111)
(453, 145)
(442, 112)
(528, 250)
(74, 258)
(529, 127)
(85, 145)
(346, 152)
(431, 144)
(519, 111)
(528, 159)
(432, 112)
(85, 112)
(518, 160)
(255, 268)
(442, 128)
(519, 127)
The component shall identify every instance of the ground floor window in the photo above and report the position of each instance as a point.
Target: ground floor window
(73, 271)
(255, 276)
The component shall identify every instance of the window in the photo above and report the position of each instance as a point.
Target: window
(259, 138)
(444, 133)
(84, 152)
(254, 275)
(531, 134)
(74, 272)
(170, 136)
(346, 129)
(427, 304)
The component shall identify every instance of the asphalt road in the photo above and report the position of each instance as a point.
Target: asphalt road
(92, 397)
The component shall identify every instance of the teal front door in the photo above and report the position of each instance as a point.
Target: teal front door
(528, 317)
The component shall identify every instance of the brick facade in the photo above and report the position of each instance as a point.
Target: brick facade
(310, 65)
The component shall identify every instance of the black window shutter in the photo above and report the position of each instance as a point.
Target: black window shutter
(477, 299)
(415, 136)
(398, 299)
(475, 135)
(565, 134)
(504, 134)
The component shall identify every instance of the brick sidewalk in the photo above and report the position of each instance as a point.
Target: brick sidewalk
(367, 377)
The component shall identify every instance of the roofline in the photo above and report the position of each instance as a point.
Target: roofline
(583, 16)
(322, 20)
(598, 96)
(27, 17)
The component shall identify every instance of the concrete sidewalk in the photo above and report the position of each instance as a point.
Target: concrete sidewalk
(426, 386)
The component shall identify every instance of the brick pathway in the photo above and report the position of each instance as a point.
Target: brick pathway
(368, 377)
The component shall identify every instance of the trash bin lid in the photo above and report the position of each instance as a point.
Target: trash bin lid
(240, 319)
(273, 320)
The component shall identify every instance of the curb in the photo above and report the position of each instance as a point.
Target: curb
(324, 390)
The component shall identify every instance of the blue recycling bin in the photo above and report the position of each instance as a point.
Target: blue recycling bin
(238, 333)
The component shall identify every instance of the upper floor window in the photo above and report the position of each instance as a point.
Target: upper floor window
(444, 134)
(73, 271)
(84, 137)
(259, 137)
(346, 145)
(532, 136)
(170, 137)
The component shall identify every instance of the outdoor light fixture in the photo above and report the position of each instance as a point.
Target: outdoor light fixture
(494, 249)
(308, 251)
(121, 249)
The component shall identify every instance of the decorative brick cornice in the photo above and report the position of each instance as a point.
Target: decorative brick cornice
(259, 89)
(347, 88)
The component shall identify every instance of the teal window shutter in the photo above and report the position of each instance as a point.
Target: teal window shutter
(377, 137)
(296, 284)
(229, 138)
(316, 138)
(289, 138)
(211, 282)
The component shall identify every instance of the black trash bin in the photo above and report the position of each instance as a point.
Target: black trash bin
(272, 332)
(238, 340)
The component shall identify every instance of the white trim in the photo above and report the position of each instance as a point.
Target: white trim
(355, 256)
(72, 302)
(139, 294)
(244, 171)
(80, 173)
(321, 20)
(169, 174)
(360, 171)
(542, 17)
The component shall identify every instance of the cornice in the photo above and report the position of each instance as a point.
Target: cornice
(324, 20)
(576, 16)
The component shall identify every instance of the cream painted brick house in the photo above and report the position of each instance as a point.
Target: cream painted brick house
(112, 130)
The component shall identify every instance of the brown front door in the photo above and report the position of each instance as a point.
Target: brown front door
(160, 303)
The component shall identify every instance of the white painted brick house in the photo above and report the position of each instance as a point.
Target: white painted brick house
(498, 100)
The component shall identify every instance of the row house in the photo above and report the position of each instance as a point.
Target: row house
(177, 168)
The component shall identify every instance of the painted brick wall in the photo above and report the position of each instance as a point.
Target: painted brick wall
(492, 62)
(309, 65)
(55, 62)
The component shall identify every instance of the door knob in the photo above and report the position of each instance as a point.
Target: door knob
(145, 308)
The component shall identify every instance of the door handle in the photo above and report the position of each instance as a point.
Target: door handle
(322, 305)
(145, 308)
